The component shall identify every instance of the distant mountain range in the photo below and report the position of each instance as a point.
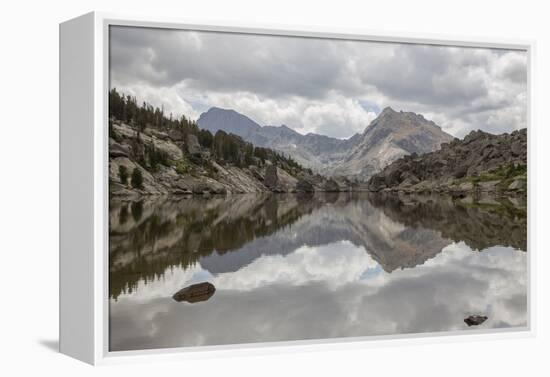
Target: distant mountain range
(388, 137)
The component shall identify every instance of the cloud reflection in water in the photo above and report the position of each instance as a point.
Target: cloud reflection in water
(325, 290)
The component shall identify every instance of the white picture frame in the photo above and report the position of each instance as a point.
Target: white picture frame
(84, 70)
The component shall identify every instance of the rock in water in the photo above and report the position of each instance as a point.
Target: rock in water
(195, 293)
(475, 320)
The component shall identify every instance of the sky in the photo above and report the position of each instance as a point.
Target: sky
(325, 86)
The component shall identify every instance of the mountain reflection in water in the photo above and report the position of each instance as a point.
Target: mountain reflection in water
(287, 267)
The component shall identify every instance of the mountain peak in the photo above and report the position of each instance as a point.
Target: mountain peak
(215, 109)
(400, 119)
(229, 120)
(388, 110)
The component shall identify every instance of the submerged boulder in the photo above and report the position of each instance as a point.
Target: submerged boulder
(475, 320)
(195, 293)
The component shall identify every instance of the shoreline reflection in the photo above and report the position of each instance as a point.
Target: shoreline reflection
(286, 268)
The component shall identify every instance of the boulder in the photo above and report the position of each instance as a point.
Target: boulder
(118, 150)
(173, 152)
(271, 178)
(286, 182)
(195, 293)
(475, 320)
(176, 134)
(193, 146)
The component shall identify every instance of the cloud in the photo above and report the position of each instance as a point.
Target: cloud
(320, 85)
(164, 97)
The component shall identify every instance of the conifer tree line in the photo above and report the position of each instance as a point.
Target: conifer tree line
(126, 109)
(223, 147)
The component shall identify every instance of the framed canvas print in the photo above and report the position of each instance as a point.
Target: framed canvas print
(226, 188)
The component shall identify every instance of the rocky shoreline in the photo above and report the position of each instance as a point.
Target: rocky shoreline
(479, 163)
(187, 168)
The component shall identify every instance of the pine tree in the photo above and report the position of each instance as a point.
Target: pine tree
(137, 179)
(123, 174)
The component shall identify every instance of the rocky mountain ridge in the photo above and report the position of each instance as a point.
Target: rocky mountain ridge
(189, 168)
(391, 135)
(481, 162)
(310, 150)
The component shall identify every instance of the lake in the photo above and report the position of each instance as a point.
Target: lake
(289, 267)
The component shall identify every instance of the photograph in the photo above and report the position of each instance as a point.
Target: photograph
(269, 188)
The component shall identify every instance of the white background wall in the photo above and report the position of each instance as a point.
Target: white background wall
(29, 184)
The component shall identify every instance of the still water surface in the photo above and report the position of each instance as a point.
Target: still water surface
(292, 268)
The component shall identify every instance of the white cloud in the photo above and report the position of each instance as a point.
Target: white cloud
(164, 97)
(315, 85)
